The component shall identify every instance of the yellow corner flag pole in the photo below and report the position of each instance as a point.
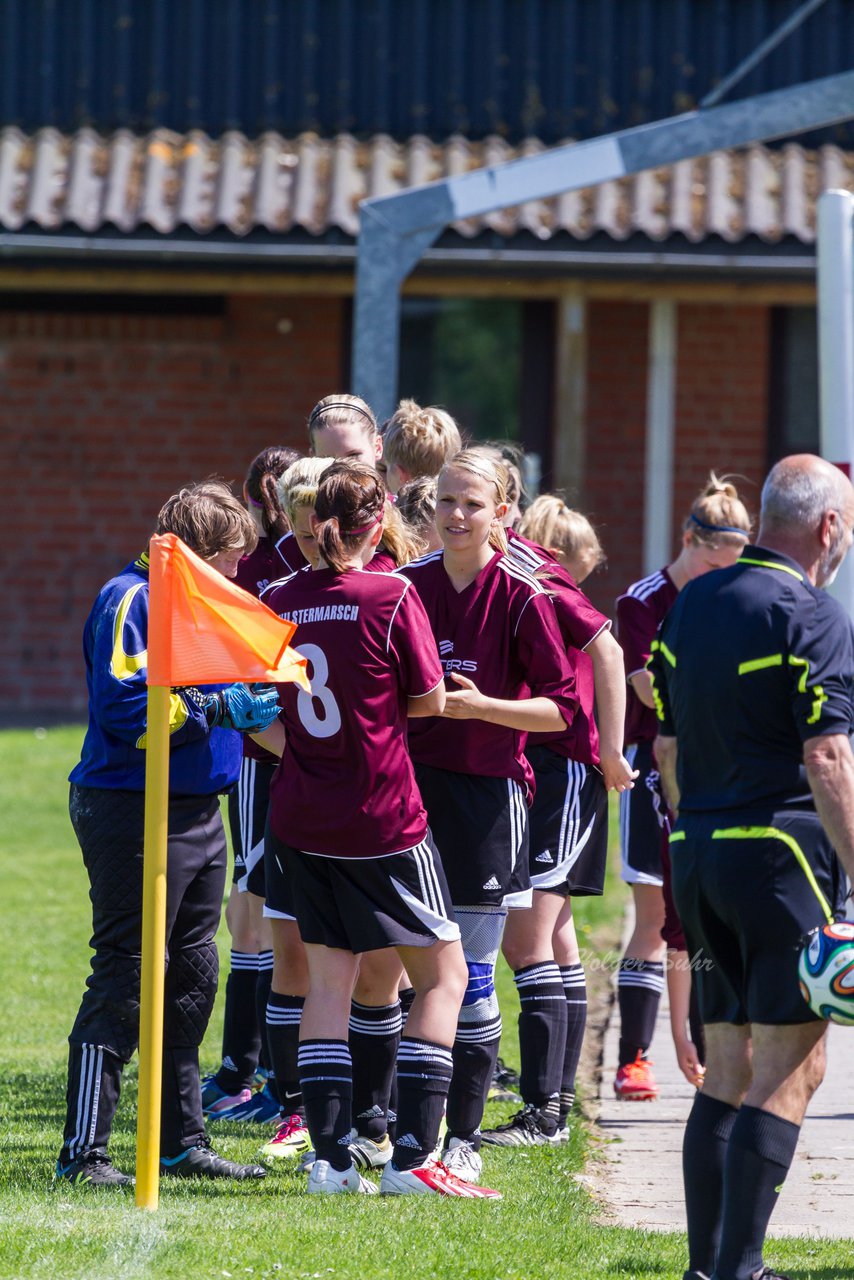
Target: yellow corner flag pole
(153, 948)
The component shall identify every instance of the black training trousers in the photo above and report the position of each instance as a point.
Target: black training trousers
(109, 827)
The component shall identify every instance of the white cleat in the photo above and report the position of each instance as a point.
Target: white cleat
(324, 1180)
(431, 1178)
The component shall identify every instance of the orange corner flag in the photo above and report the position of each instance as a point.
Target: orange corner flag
(204, 629)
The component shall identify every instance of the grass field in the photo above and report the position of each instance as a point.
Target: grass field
(545, 1226)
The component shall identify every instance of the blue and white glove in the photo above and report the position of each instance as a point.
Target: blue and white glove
(237, 707)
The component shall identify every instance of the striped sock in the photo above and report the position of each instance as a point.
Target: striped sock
(423, 1075)
(639, 987)
(542, 1033)
(374, 1039)
(475, 1053)
(326, 1080)
(241, 1035)
(284, 1014)
(575, 990)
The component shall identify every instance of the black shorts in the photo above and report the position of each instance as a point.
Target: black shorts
(247, 819)
(365, 904)
(745, 901)
(643, 819)
(278, 885)
(480, 826)
(568, 826)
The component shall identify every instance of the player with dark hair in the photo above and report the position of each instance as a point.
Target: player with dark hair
(228, 1093)
(502, 652)
(752, 675)
(106, 806)
(349, 852)
(713, 536)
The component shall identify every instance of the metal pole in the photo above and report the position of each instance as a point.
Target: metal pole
(660, 410)
(761, 51)
(835, 255)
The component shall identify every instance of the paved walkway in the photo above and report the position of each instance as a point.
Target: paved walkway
(639, 1176)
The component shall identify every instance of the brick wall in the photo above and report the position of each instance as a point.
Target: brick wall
(721, 415)
(617, 339)
(103, 417)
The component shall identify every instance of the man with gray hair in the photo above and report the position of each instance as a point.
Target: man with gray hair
(754, 677)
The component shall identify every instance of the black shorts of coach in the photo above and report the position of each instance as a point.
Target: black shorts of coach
(361, 904)
(747, 889)
(480, 826)
(568, 843)
(248, 803)
(643, 820)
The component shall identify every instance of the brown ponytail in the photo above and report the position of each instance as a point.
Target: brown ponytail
(262, 490)
(351, 502)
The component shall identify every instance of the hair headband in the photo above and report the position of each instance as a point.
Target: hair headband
(718, 528)
(366, 528)
(340, 404)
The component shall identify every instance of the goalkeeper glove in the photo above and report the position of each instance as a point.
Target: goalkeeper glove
(237, 707)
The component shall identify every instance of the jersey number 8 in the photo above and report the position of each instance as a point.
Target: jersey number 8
(327, 724)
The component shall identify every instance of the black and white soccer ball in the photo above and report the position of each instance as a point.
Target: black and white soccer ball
(826, 971)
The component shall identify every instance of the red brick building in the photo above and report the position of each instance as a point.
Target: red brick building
(170, 304)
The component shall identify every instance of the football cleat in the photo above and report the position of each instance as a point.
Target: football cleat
(461, 1159)
(201, 1161)
(505, 1084)
(289, 1141)
(325, 1180)
(367, 1154)
(635, 1082)
(258, 1108)
(92, 1169)
(527, 1128)
(431, 1178)
(562, 1132)
(215, 1100)
(768, 1273)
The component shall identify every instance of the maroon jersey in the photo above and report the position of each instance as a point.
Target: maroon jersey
(255, 572)
(381, 562)
(580, 623)
(501, 632)
(346, 787)
(289, 555)
(640, 610)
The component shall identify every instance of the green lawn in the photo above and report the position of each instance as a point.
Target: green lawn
(543, 1228)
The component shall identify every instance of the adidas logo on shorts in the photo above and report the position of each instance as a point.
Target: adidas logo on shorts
(408, 1140)
(492, 883)
(544, 857)
(228, 1063)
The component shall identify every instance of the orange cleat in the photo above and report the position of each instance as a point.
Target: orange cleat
(635, 1082)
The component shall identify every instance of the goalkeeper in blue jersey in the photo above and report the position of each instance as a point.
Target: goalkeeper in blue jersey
(106, 807)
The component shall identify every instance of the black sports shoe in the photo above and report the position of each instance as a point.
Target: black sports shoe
(767, 1273)
(201, 1161)
(695, 1275)
(92, 1169)
(505, 1084)
(527, 1128)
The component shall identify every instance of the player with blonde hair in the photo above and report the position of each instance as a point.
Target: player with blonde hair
(417, 442)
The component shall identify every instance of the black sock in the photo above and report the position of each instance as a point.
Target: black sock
(284, 1014)
(639, 987)
(575, 991)
(326, 1079)
(475, 1054)
(759, 1154)
(262, 995)
(374, 1040)
(423, 1073)
(94, 1084)
(241, 1034)
(406, 997)
(704, 1146)
(542, 1033)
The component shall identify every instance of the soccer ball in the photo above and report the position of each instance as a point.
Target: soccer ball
(826, 971)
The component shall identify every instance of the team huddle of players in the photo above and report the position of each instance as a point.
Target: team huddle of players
(440, 796)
